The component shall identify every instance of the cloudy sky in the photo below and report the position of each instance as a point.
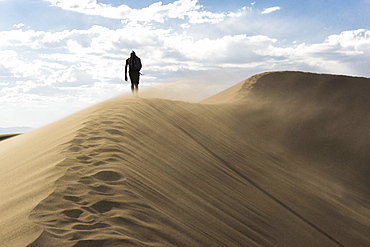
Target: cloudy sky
(60, 56)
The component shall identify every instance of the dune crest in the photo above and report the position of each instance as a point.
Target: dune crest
(237, 169)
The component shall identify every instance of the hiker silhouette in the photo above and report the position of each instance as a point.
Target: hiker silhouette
(134, 64)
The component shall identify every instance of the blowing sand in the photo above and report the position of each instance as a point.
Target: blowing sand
(280, 159)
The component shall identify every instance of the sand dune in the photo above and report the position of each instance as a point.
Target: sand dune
(280, 159)
(6, 136)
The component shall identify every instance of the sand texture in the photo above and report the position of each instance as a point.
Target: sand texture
(280, 159)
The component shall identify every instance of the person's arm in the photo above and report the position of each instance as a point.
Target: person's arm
(126, 70)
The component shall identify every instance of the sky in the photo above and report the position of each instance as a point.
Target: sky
(61, 56)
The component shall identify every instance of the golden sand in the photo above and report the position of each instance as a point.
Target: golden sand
(280, 159)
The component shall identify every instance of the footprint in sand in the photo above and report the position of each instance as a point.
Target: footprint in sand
(101, 188)
(75, 149)
(73, 213)
(107, 122)
(83, 158)
(114, 132)
(104, 206)
(90, 227)
(99, 163)
(107, 176)
(72, 198)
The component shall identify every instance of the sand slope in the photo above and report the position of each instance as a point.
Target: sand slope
(252, 166)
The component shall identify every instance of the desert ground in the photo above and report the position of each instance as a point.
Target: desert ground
(279, 159)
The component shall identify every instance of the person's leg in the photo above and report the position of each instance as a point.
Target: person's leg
(137, 82)
(134, 77)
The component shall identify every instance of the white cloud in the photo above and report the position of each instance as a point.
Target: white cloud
(344, 53)
(17, 38)
(96, 55)
(352, 42)
(270, 10)
(19, 25)
(15, 66)
(157, 12)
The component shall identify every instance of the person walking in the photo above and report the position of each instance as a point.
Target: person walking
(134, 64)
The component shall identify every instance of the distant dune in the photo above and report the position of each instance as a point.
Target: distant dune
(6, 136)
(280, 159)
(14, 130)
